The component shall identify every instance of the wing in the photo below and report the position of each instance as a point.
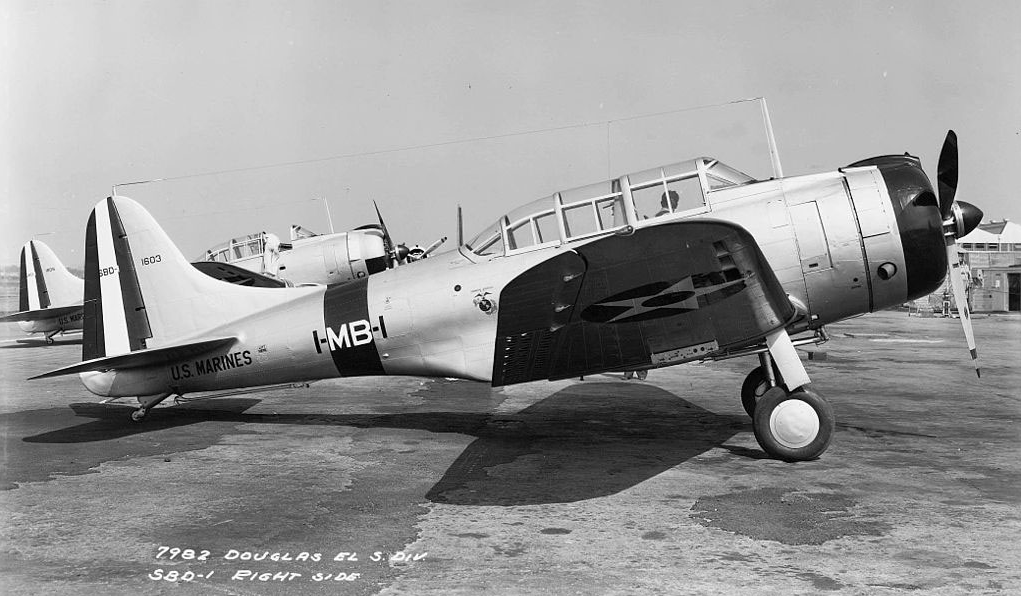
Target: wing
(41, 314)
(662, 295)
(237, 275)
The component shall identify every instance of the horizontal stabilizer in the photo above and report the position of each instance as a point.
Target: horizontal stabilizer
(237, 275)
(140, 358)
(42, 314)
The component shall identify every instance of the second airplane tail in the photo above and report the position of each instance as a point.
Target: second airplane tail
(44, 281)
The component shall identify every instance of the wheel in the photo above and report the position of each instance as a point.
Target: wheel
(794, 426)
(628, 375)
(138, 415)
(642, 375)
(755, 386)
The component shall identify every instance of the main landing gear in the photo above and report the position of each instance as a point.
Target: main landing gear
(793, 426)
(49, 336)
(758, 382)
(147, 402)
(790, 425)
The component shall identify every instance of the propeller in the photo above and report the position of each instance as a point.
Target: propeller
(388, 243)
(959, 219)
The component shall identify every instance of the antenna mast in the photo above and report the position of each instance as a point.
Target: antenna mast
(773, 155)
(328, 216)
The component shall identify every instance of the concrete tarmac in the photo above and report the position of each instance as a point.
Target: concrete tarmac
(601, 486)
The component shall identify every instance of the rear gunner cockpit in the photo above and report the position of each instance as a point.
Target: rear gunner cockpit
(604, 207)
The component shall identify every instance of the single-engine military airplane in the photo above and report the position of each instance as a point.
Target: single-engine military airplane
(689, 261)
(50, 296)
(310, 258)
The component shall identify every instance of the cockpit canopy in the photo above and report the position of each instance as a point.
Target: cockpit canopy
(252, 245)
(606, 206)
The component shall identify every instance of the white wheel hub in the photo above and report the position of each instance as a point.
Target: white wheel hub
(794, 423)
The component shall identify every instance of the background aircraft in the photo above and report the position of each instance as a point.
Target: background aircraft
(50, 296)
(310, 258)
(690, 261)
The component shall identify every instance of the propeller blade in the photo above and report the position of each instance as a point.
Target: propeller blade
(961, 298)
(388, 245)
(434, 246)
(460, 227)
(946, 174)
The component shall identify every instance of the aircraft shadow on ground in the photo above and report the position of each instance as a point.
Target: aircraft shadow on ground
(585, 441)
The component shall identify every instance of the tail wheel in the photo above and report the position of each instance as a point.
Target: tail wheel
(794, 426)
(755, 386)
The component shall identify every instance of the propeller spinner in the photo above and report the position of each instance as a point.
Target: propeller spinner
(959, 219)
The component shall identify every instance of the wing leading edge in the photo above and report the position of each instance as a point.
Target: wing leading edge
(661, 295)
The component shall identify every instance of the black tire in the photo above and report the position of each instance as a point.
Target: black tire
(786, 430)
(755, 386)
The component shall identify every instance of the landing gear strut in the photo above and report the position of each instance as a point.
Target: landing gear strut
(147, 402)
(49, 337)
(758, 382)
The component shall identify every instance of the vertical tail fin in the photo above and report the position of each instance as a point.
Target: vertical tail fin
(141, 292)
(44, 281)
(30, 298)
(115, 317)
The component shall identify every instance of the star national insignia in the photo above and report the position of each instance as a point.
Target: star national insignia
(666, 298)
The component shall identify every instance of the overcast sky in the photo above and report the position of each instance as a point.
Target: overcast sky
(254, 110)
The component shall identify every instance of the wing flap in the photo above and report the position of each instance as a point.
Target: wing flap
(140, 358)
